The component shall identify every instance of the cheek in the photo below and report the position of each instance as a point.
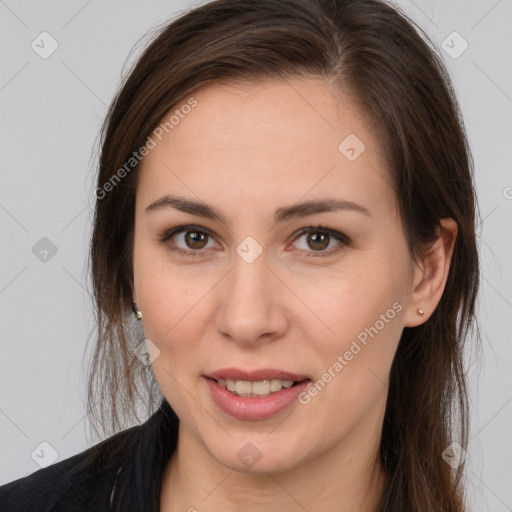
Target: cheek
(170, 304)
(356, 365)
(345, 302)
(363, 310)
(174, 303)
(174, 319)
(162, 288)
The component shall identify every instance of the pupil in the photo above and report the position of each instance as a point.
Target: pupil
(323, 238)
(195, 237)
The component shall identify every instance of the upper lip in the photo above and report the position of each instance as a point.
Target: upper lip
(255, 375)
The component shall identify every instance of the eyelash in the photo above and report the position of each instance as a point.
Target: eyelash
(345, 241)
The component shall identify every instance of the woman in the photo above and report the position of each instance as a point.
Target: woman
(285, 200)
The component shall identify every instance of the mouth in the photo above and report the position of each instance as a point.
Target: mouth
(256, 389)
(258, 399)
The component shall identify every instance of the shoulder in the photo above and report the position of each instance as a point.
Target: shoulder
(82, 482)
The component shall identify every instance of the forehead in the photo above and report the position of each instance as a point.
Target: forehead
(267, 139)
(269, 113)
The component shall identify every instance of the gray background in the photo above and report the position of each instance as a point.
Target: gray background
(51, 110)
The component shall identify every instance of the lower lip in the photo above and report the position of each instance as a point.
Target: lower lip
(244, 408)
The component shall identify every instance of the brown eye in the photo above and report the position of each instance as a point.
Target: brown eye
(195, 239)
(187, 240)
(191, 241)
(318, 241)
(319, 238)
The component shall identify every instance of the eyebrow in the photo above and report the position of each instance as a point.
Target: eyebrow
(281, 214)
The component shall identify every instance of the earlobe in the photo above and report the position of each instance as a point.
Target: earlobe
(430, 276)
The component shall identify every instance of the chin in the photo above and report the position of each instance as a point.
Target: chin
(248, 454)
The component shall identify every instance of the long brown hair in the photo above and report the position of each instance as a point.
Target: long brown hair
(377, 55)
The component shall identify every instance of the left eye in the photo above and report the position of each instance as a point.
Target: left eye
(317, 237)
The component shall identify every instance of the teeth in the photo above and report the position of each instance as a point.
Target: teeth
(243, 387)
(252, 389)
(262, 387)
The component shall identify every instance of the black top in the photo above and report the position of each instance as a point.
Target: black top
(121, 473)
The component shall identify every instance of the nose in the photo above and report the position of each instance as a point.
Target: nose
(251, 305)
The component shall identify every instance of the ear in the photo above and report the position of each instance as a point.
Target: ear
(430, 275)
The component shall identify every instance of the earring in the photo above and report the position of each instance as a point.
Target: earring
(137, 311)
(420, 311)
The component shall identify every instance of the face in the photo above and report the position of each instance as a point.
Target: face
(271, 285)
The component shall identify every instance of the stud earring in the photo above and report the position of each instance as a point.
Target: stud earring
(420, 311)
(137, 311)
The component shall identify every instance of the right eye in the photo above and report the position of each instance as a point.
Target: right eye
(191, 237)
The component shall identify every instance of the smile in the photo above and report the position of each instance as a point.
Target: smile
(244, 404)
(255, 389)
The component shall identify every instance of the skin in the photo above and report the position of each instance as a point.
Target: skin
(248, 150)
